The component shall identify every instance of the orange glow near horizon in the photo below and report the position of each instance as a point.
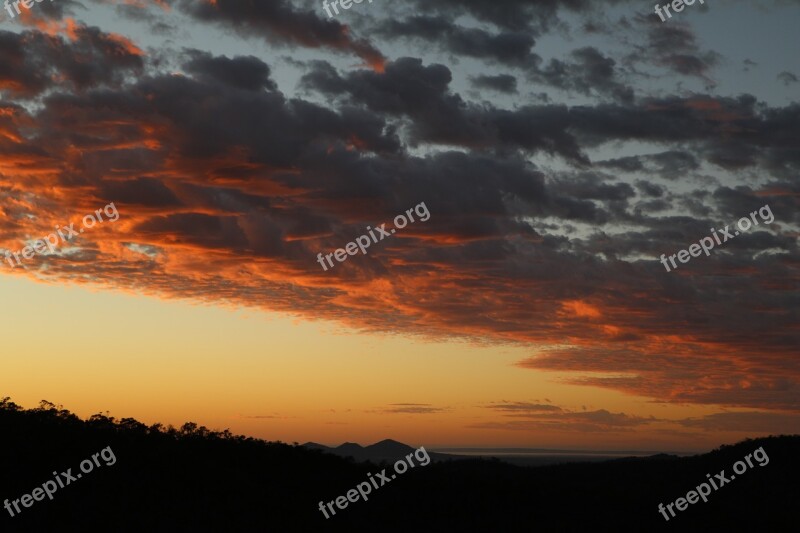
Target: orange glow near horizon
(282, 378)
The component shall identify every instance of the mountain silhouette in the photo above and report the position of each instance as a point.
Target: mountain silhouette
(387, 450)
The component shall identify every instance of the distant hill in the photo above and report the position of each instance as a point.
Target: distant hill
(387, 450)
(191, 479)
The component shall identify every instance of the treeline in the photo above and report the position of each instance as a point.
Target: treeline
(194, 479)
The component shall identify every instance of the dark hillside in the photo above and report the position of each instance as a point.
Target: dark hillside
(193, 479)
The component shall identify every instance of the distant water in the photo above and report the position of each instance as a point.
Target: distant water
(539, 457)
(525, 452)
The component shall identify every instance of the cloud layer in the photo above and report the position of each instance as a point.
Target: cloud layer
(546, 216)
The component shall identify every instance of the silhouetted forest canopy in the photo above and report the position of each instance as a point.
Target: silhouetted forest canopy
(196, 479)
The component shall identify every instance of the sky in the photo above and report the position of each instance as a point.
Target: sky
(550, 152)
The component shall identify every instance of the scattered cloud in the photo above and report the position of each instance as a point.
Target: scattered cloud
(412, 409)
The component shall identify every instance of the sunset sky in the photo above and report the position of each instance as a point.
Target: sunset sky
(560, 146)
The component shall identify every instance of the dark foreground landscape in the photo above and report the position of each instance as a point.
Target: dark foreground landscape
(193, 479)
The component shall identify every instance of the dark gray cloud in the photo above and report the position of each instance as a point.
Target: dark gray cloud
(32, 62)
(514, 15)
(588, 72)
(244, 72)
(281, 21)
(511, 48)
(787, 78)
(504, 83)
(675, 48)
(422, 93)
